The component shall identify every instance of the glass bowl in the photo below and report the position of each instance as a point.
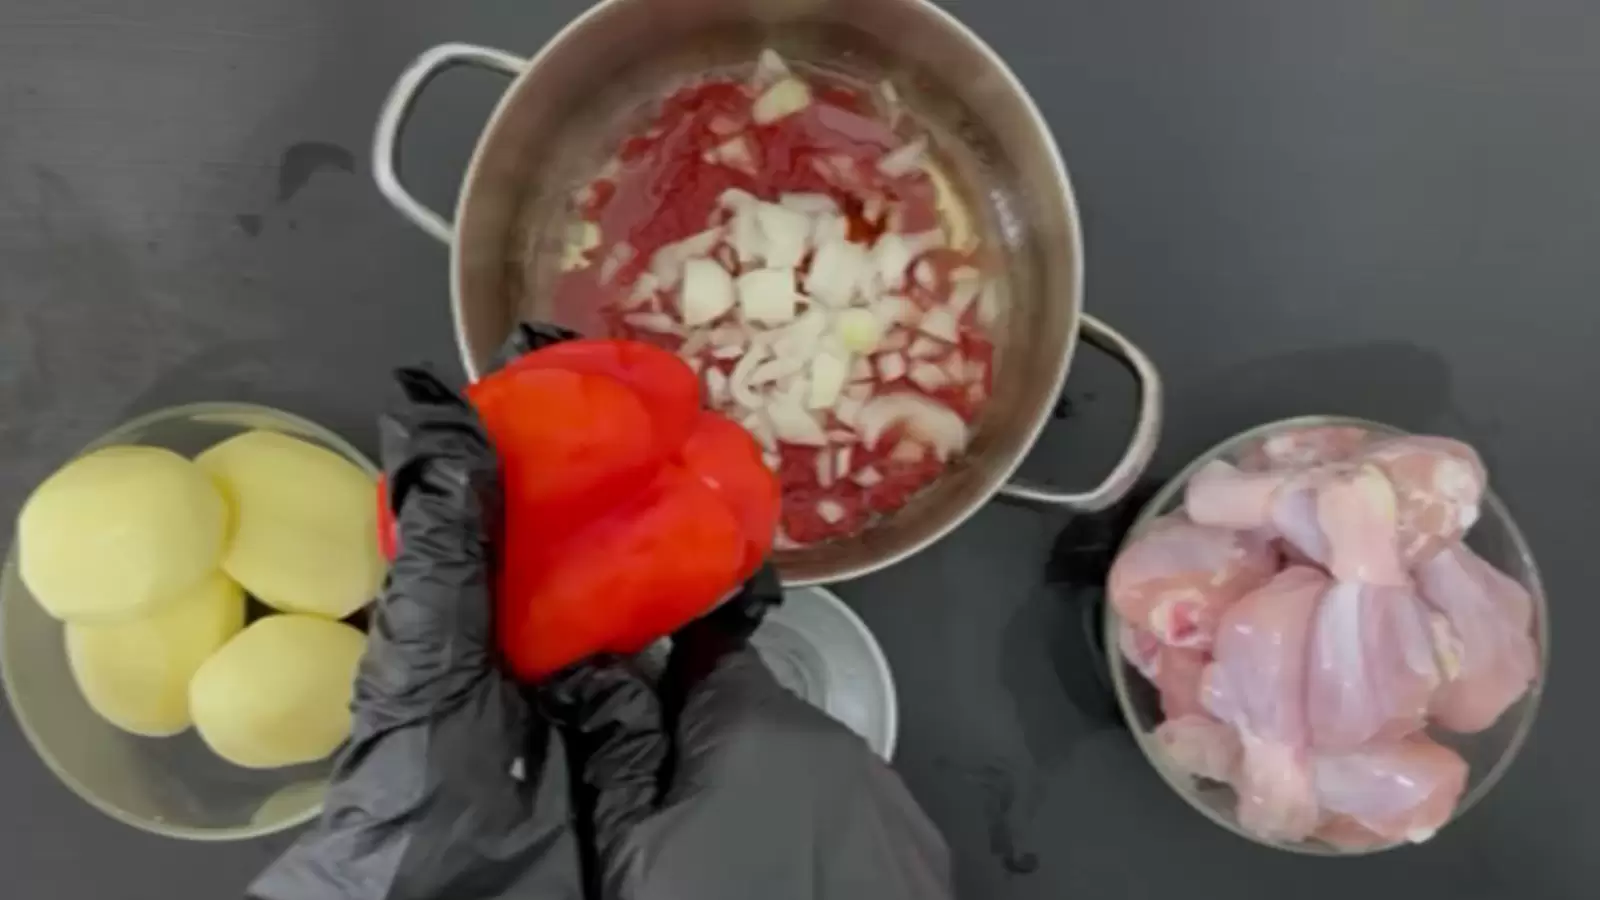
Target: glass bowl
(1488, 753)
(170, 786)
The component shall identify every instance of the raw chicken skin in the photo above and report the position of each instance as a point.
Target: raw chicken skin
(1200, 746)
(1300, 448)
(1176, 578)
(1257, 684)
(1223, 495)
(1438, 485)
(1401, 791)
(1493, 652)
(1356, 514)
(1175, 671)
(1372, 670)
(1348, 834)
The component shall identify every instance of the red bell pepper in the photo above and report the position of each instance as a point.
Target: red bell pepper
(629, 510)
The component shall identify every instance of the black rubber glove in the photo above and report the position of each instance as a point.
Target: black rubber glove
(734, 788)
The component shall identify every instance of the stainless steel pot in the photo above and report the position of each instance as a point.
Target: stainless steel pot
(570, 102)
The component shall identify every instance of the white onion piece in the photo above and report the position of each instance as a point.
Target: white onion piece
(722, 126)
(734, 153)
(828, 373)
(962, 295)
(666, 266)
(974, 371)
(716, 387)
(735, 199)
(694, 365)
(757, 425)
(582, 237)
(892, 256)
(841, 462)
(801, 337)
(824, 467)
(858, 330)
(829, 227)
(867, 477)
(923, 418)
(908, 452)
(773, 461)
(767, 296)
(891, 366)
(694, 345)
(924, 241)
(617, 257)
(787, 97)
(830, 511)
(809, 204)
(873, 207)
(739, 379)
(731, 351)
(660, 323)
(924, 275)
(927, 376)
(890, 96)
(792, 424)
(841, 436)
(836, 272)
(905, 159)
(644, 291)
(897, 339)
(955, 369)
(989, 306)
(965, 273)
(770, 69)
(860, 370)
(952, 209)
(847, 409)
(727, 336)
(925, 348)
(744, 236)
(707, 292)
(895, 308)
(786, 234)
(859, 392)
(940, 323)
(779, 368)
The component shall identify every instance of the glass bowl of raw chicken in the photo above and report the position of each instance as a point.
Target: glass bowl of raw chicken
(1331, 636)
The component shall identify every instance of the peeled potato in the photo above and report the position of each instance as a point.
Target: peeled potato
(305, 530)
(278, 694)
(116, 532)
(136, 674)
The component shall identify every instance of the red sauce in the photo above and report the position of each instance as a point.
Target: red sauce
(668, 178)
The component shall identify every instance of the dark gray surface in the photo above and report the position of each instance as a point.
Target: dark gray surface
(1386, 207)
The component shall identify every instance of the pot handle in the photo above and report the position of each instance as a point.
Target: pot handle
(397, 109)
(1146, 431)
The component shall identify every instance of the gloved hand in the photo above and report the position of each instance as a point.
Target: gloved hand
(458, 784)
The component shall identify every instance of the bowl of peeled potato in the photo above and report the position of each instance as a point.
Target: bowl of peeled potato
(180, 617)
(1330, 636)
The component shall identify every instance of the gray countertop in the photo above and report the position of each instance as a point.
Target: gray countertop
(1387, 208)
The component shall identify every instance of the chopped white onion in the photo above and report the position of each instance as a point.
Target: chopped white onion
(694, 365)
(727, 336)
(908, 451)
(989, 306)
(891, 366)
(739, 379)
(924, 275)
(925, 348)
(727, 351)
(660, 323)
(786, 235)
(858, 330)
(809, 204)
(707, 292)
(860, 370)
(927, 376)
(722, 126)
(867, 477)
(965, 273)
(892, 256)
(829, 227)
(644, 291)
(873, 207)
(744, 234)
(962, 295)
(824, 467)
(924, 241)
(952, 210)
(735, 199)
(828, 373)
(841, 462)
(666, 266)
(618, 256)
(859, 392)
(694, 345)
(895, 308)
(940, 323)
(792, 424)
(955, 368)
(734, 153)
(787, 97)
(896, 339)
(841, 436)
(923, 418)
(582, 237)
(757, 425)
(830, 511)
(767, 296)
(716, 387)
(890, 96)
(905, 159)
(777, 369)
(770, 69)
(836, 272)
(773, 461)
(847, 409)
(802, 336)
